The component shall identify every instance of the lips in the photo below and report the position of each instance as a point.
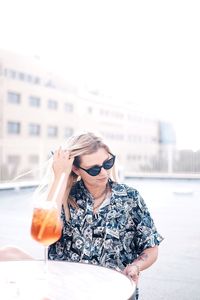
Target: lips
(102, 179)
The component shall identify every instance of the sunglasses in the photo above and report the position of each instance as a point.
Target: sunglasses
(107, 164)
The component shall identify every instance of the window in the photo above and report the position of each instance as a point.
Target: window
(13, 159)
(34, 129)
(52, 131)
(49, 83)
(68, 131)
(12, 74)
(13, 98)
(68, 107)
(13, 127)
(36, 80)
(89, 109)
(33, 159)
(52, 104)
(29, 78)
(21, 76)
(34, 101)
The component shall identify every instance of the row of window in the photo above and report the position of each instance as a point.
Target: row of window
(34, 101)
(52, 104)
(135, 157)
(131, 138)
(113, 136)
(110, 113)
(28, 78)
(15, 159)
(135, 138)
(34, 129)
(34, 159)
(119, 115)
(136, 118)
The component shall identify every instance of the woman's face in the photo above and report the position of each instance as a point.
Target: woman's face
(95, 159)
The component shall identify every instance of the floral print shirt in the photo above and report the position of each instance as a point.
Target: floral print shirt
(114, 237)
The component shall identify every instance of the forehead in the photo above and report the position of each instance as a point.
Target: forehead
(96, 158)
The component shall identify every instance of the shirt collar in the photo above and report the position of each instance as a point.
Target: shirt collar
(117, 189)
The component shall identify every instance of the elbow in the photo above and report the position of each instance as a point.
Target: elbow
(155, 252)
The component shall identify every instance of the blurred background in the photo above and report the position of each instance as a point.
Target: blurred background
(128, 70)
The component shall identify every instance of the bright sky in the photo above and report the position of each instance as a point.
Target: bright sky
(145, 52)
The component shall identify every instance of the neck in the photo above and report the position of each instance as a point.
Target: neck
(100, 193)
(97, 196)
(100, 199)
(97, 192)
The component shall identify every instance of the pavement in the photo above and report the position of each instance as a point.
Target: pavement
(175, 208)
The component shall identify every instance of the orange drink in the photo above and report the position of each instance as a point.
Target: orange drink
(46, 225)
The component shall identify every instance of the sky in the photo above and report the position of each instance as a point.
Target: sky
(145, 53)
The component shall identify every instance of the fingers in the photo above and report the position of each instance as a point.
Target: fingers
(65, 154)
(132, 273)
(62, 162)
(133, 276)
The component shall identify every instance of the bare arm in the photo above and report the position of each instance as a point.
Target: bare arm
(147, 258)
(62, 166)
(144, 261)
(13, 253)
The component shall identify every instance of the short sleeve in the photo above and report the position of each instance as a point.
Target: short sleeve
(146, 235)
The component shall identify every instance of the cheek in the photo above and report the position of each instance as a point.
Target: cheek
(85, 176)
(104, 173)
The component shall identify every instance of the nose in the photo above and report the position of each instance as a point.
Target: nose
(103, 171)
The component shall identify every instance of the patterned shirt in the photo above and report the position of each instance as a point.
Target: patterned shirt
(114, 237)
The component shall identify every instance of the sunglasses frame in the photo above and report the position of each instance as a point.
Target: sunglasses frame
(100, 167)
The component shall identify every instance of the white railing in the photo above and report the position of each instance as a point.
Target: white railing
(167, 163)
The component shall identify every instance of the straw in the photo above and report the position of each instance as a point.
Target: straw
(53, 200)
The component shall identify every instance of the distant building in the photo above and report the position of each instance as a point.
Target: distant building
(167, 134)
(38, 111)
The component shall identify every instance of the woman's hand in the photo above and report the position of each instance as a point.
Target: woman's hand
(132, 271)
(144, 261)
(62, 166)
(62, 162)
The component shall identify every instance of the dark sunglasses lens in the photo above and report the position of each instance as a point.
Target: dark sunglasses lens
(109, 163)
(94, 171)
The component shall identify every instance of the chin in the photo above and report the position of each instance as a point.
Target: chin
(102, 180)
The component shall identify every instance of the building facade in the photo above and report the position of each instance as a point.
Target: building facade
(38, 111)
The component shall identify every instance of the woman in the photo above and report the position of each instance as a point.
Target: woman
(104, 222)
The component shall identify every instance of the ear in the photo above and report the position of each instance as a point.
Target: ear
(75, 170)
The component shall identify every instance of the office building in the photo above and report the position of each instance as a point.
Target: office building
(38, 111)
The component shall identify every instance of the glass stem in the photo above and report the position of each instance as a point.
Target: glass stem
(45, 259)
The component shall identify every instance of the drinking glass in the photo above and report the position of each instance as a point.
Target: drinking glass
(46, 225)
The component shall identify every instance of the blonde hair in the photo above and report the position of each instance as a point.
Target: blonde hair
(77, 145)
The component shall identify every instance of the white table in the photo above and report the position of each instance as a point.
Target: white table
(26, 280)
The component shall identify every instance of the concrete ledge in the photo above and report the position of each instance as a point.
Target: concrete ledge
(128, 175)
(18, 185)
(192, 176)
